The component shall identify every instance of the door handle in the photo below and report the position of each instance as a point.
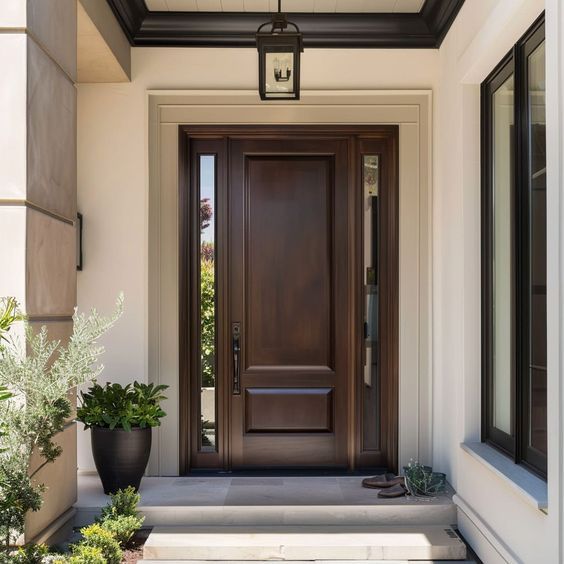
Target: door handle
(236, 334)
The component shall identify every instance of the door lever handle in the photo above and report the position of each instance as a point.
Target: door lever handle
(236, 334)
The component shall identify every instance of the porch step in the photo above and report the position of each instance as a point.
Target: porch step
(376, 515)
(306, 543)
(322, 501)
(307, 561)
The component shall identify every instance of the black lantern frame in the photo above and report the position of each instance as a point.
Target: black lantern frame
(271, 47)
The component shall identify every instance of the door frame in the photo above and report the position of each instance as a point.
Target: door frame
(188, 392)
(158, 319)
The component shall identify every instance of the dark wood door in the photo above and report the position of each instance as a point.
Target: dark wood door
(289, 295)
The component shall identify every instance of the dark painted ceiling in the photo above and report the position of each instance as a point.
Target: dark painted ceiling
(424, 29)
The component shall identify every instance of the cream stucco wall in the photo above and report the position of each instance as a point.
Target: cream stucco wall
(113, 167)
(502, 523)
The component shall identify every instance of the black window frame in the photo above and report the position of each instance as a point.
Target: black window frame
(514, 63)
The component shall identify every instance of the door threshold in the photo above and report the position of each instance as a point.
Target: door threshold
(286, 472)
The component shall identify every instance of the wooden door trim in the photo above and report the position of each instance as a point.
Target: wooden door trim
(388, 134)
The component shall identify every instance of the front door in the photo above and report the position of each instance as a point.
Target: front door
(278, 369)
(289, 291)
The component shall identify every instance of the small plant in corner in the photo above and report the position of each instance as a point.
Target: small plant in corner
(121, 517)
(121, 419)
(421, 481)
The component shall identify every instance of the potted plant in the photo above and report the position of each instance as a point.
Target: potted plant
(121, 419)
(420, 480)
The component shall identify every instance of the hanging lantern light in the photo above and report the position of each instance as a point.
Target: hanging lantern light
(279, 59)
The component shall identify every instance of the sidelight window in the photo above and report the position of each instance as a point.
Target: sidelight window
(207, 304)
(514, 253)
(371, 387)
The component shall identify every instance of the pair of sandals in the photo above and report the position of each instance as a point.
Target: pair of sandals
(389, 485)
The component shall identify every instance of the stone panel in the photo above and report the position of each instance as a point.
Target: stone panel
(59, 478)
(51, 266)
(51, 135)
(53, 24)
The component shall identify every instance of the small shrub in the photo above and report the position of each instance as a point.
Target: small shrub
(98, 537)
(124, 502)
(123, 527)
(36, 375)
(86, 554)
(28, 554)
(56, 559)
(120, 517)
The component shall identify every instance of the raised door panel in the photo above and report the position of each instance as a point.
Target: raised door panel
(289, 410)
(288, 267)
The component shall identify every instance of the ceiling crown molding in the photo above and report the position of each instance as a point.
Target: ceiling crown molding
(425, 29)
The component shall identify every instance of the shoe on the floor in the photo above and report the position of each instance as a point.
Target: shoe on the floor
(398, 490)
(382, 481)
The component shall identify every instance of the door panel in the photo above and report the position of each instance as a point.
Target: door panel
(289, 410)
(288, 273)
(288, 288)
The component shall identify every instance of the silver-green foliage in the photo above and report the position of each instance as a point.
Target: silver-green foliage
(40, 374)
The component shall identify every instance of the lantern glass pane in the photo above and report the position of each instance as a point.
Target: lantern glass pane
(279, 73)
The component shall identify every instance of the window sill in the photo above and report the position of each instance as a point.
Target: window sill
(525, 483)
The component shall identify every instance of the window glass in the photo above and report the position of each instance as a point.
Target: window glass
(371, 387)
(502, 299)
(537, 249)
(207, 304)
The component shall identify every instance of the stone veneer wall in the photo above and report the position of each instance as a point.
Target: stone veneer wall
(38, 195)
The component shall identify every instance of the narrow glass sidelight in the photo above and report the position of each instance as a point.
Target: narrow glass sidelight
(371, 384)
(502, 251)
(536, 287)
(207, 303)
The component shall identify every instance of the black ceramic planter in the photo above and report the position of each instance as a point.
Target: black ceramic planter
(120, 456)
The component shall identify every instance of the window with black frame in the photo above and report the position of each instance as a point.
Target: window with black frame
(514, 253)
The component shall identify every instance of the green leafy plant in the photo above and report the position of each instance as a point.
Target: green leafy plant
(86, 554)
(420, 480)
(121, 517)
(123, 502)
(38, 374)
(29, 554)
(123, 527)
(97, 536)
(9, 314)
(116, 406)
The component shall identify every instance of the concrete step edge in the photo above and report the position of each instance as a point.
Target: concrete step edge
(288, 515)
(304, 543)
